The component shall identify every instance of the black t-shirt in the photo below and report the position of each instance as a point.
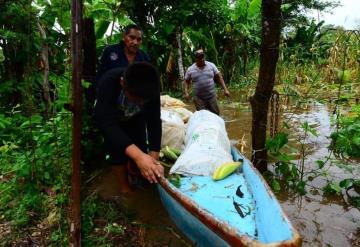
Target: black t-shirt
(112, 107)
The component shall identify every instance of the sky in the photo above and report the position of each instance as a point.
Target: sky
(347, 15)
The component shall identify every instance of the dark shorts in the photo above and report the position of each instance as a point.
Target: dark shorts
(136, 130)
(209, 104)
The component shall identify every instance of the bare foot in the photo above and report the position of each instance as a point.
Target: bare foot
(121, 176)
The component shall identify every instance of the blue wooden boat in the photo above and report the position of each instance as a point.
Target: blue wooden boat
(216, 213)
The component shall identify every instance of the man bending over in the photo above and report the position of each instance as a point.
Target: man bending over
(128, 113)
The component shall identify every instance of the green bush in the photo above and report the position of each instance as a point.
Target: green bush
(346, 140)
(35, 168)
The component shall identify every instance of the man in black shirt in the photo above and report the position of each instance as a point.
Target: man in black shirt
(122, 54)
(128, 113)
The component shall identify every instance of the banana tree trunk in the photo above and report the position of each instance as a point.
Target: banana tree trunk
(45, 62)
(269, 53)
(170, 75)
(245, 56)
(180, 58)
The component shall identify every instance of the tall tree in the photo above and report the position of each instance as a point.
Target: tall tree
(269, 53)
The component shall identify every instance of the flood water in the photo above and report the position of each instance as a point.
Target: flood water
(320, 220)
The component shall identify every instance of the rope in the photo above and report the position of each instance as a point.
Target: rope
(258, 150)
(274, 113)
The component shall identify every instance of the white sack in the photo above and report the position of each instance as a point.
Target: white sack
(207, 146)
(171, 117)
(173, 135)
(173, 129)
(184, 113)
(167, 101)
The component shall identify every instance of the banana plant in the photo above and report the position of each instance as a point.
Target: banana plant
(108, 15)
(308, 42)
(243, 33)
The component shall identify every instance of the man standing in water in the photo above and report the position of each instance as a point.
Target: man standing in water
(122, 54)
(202, 74)
(127, 112)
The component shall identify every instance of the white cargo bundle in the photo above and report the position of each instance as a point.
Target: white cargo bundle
(173, 130)
(207, 146)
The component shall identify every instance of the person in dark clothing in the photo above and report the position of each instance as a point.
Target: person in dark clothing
(127, 112)
(122, 54)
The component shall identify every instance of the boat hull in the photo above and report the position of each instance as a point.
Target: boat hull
(189, 225)
(210, 221)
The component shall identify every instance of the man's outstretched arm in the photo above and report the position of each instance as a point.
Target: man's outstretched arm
(219, 78)
(186, 89)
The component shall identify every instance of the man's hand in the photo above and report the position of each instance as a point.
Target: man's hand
(150, 168)
(155, 155)
(219, 78)
(148, 164)
(186, 90)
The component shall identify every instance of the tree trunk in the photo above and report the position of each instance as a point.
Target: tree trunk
(229, 63)
(89, 65)
(170, 75)
(90, 132)
(45, 65)
(269, 53)
(180, 59)
(139, 13)
(13, 71)
(245, 56)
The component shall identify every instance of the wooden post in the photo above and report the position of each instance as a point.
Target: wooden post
(76, 106)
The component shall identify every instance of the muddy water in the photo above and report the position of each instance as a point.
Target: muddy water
(321, 220)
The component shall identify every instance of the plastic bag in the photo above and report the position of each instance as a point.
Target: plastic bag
(207, 146)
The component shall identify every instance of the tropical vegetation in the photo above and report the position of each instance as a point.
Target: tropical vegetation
(316, 63)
